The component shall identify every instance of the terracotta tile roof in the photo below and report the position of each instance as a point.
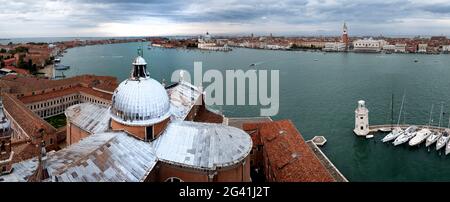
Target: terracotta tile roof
(60, 93)
(28, 120)
(204, 115)
(22, 84)
(10, 61)
(110, 87)
(18, 70)
(290, 158)
(23, 151)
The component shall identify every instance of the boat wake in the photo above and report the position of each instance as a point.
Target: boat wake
(111, 56)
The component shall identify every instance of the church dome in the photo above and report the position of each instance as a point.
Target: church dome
(140, 100)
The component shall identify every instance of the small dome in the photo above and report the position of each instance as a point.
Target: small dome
(361, 103)
(140, 102)
(139, 61)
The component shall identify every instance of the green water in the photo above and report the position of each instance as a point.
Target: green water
(319, 97)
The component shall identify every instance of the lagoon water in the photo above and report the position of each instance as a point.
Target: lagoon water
(318, 92)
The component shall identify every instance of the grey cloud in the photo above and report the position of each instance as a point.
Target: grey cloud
(309, 12)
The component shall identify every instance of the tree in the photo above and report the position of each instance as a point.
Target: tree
(19, 49)
(22, 64)
(33, 69)
(30, 64)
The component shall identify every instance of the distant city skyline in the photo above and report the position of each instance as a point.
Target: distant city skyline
(97, 18)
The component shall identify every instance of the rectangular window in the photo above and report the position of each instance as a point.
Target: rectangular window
(149, 133)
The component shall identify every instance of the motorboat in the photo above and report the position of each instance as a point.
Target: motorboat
(420, 136)
(409, 133)
(442, 141)
(57, 60)
(433, 138)
(61, 67)
(385, 129)
(392, 135)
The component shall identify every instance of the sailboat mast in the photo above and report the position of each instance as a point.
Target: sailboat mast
(431, 113)
(392, 111)
(401, 108)
(448, 125)
(440, 115)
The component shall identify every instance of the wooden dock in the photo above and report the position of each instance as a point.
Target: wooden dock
(380, 128)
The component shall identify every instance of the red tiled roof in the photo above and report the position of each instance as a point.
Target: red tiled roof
(18, 70)
(29, 121)
(60, 93)
(24, 151)
(9, 61)
(204, 115)
(23, 84)
(290, 158)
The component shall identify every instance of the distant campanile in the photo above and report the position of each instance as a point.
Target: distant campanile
(345, 35)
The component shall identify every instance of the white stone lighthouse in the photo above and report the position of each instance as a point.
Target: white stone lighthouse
(361, 119)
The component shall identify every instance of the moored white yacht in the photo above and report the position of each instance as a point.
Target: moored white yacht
(442, 141)
(392, 135)
(447, 148)
(410, 132)
(436, 134)
(433, 138)
(420, 136)
(397, 131)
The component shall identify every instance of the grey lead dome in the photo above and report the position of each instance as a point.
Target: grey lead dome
(140, 100)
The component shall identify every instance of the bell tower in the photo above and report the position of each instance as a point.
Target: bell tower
(361, 119)
(6, 155)
(345, 39)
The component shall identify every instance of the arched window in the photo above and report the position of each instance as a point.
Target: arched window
(173, 179)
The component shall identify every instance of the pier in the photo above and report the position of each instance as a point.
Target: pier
(387, 127)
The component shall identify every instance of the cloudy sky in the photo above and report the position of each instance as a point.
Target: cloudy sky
(78, 18)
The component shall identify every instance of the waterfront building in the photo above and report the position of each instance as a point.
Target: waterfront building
(335, 47)
(275, 47)
(312, 44)
(207, 43)
(446, 48)
(368, 45)
(422, 48)
(213, 47)
(361, 119)
(389, 48)
(400, 47)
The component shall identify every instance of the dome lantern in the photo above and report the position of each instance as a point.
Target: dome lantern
(139, 70)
